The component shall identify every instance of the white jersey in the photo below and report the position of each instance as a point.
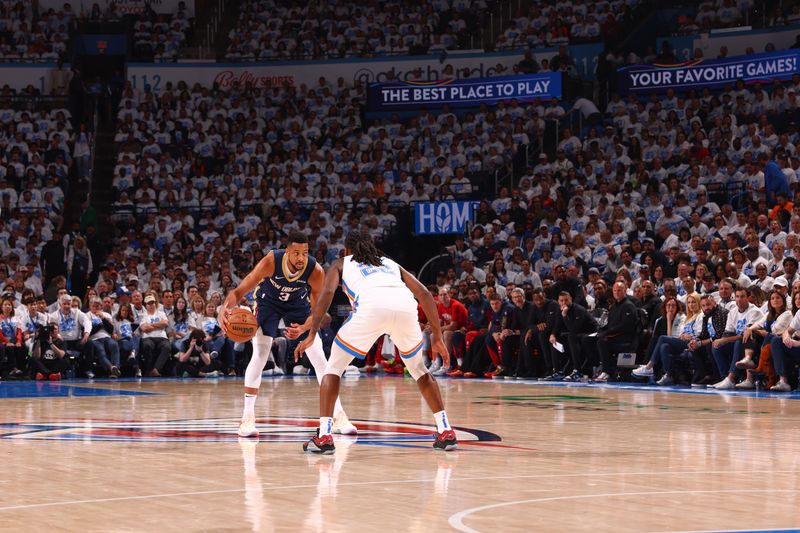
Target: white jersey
(362, 281)
(382, 305)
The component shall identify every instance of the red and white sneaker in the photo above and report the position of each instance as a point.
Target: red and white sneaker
(446, 441)
(321, 445)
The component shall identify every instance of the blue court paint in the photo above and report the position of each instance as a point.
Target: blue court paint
(790, 530)
(649, 388)
(60, 389)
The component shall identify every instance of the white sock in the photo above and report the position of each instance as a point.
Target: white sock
(316, 355)
(250, 404)
(442, 423)
(325, 425)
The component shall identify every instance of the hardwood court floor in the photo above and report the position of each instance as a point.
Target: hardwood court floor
(163, 456)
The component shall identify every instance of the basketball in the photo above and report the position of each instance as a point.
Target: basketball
(242, 325)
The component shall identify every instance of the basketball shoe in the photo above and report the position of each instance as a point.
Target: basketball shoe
(343, 426)
(321, 445)
(247, 427)
(446, 440)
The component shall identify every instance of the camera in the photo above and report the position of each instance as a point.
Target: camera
(44, 332)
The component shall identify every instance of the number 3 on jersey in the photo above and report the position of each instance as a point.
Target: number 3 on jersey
(284, 296)
(368, 270)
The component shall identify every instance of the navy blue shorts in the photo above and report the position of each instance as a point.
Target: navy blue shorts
(269, 316)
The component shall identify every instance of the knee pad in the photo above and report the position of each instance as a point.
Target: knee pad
(416, 366)
(262, 347)
(261, 341)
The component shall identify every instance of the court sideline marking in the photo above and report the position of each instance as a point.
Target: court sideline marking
(456, 520)
(406, 481)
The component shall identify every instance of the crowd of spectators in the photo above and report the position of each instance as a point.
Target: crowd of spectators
(677, 213)
(29, 36)
(716, 14)
(40, 157)
(32, 35)
(664, 228)
(548, 24)
(36, 151)
(283, 30)
(248, 152)
(158, 36)
(207, 178)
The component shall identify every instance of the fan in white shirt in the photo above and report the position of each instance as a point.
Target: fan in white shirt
(727, 350)
(775, 322)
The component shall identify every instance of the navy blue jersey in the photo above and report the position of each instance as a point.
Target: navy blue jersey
(282, 291)
(499, 321)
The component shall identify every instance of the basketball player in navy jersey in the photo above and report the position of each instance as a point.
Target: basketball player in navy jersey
(282, 280)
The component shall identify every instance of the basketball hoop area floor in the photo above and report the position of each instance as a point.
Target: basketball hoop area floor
(164, 456)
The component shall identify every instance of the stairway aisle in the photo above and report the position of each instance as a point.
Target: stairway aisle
(100, 195)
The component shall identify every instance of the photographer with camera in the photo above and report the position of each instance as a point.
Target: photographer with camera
(105, 347)
(32, 321)
(48, 357)
(194, 361)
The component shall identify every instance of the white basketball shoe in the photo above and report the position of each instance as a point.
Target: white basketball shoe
(343, 426)
(247, 427)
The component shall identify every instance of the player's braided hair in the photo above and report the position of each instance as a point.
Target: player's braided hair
(364, 250)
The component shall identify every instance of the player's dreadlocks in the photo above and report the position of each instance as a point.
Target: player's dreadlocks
(364, 250)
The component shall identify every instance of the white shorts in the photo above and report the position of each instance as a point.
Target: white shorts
(366, 324)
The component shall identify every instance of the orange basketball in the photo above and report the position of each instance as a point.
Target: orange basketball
(242, 325)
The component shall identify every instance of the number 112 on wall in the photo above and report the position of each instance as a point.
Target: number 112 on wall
(143, 80)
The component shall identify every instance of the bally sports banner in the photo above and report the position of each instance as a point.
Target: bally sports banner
(700, 73)
(400, 95)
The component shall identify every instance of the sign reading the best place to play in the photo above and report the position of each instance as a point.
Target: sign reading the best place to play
(699, 73)
(437, 218)
(393, 96)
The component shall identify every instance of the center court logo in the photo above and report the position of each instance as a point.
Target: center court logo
(370, 432)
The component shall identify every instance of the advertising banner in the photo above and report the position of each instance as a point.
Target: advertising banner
(698, 74)
(470, 92)
(297, 73)
(439, 218)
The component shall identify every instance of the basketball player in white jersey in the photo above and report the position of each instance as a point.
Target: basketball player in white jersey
(282, 279)
(383, 296)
